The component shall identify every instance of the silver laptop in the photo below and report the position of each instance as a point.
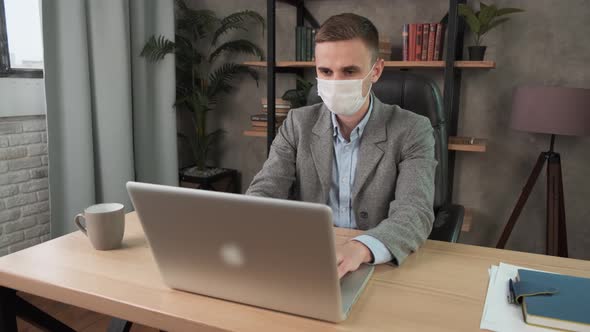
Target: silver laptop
(270, 253)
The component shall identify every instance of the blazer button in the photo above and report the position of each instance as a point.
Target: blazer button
(364, 214)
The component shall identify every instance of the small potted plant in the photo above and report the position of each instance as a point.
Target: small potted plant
(298, 97)
(200, 75)
(481, 22)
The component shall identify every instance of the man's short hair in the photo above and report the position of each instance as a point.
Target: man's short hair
(349, 26)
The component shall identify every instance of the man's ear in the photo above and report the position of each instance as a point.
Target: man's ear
(378, 70)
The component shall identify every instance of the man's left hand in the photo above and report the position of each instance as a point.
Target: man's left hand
(351, 255)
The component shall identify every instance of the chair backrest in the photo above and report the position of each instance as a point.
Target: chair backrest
(419, 95)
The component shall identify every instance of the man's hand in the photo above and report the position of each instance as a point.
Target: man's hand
(351, 255)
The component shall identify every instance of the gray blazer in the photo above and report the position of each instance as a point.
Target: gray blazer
(393, 190)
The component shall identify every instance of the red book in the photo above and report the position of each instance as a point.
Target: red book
(418, 42)
(405, 42)
(431, 41)
(425, 39)
(439, 41)
(412, 42)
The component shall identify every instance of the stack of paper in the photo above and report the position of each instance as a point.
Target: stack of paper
(498, 313)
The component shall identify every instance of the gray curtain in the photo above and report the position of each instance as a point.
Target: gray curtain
(109, 112)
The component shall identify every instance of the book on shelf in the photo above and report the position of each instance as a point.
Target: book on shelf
(298, 41)
(313, 31)
(304, 43)
(308, 42)
(261, 129)
(431, 42)
(412, 42)
(278, 107)
(419, 41)
(424, 41)
(384, 50)
(263, 124)
(439, 41)
(279, 102)
(263, 117)
(405, 31)
(278, 111)
(282, 107)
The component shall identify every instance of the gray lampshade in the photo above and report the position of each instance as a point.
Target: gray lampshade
(551, 110)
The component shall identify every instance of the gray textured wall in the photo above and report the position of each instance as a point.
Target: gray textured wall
(548, 44)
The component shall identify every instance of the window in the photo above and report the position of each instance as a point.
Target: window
(21, 45)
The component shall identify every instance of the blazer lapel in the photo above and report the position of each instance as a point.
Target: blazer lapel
(370, 151)
(322, 150)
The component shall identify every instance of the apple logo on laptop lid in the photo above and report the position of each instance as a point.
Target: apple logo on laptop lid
(232, 255)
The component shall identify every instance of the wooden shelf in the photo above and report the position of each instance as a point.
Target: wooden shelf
(388, 64)
(455, 143)
(476, 64)
(467, 220)
(468, 144)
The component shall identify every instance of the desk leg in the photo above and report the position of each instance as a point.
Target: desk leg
(7, 310)
(12, 306)
(120, 325)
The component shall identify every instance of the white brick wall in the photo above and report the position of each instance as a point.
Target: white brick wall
(24, 183)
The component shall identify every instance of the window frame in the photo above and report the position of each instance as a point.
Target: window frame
(6, 71)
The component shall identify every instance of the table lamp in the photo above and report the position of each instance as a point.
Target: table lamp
(554, 111)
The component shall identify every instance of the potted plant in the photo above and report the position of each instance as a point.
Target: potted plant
(200, 78)
(481, 22)
(298, 96)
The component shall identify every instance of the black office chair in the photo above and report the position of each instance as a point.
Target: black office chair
(420, 95)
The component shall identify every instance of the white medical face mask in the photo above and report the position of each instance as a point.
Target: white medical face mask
(343, 97)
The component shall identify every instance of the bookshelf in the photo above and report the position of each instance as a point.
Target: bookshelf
(451, 67)
(388, 64)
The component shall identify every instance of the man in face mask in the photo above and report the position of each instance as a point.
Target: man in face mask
(372, 163)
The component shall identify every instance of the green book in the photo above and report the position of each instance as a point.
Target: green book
(301, 43)
(308, 44)
(298, 43)
(313, 45)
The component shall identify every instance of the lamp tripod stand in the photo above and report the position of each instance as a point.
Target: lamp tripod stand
(556, 244)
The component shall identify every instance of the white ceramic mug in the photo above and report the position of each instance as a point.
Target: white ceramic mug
(104, 225)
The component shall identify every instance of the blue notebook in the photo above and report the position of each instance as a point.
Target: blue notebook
(553, 300)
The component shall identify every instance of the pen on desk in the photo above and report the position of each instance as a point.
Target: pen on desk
(511, 298)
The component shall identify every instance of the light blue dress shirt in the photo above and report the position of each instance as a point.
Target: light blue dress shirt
(343, 171)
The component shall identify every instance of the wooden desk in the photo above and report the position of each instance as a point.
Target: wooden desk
(442, 287)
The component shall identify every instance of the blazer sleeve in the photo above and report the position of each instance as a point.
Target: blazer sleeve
(277, 175)
(411, 214)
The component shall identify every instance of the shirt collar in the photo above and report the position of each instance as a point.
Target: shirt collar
(360, 127)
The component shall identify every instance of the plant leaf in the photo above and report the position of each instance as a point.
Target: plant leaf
(494, 23)
(156, 48)
(237, 21)
(506, 11)
(220, 79)
(199, 22)
(486, 15)
(298, 96)
(236, 46)
(212, 136)
(467, 13)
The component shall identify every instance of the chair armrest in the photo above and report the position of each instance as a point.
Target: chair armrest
(447, 223)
